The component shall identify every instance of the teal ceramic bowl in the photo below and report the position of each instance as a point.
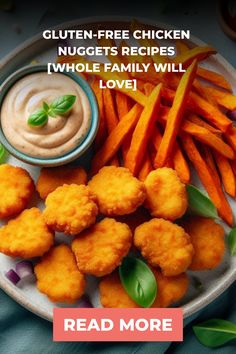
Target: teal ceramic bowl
(69, 156)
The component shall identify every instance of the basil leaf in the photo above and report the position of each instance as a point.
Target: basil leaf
(138, 281)
(232, 241)
(45, 107)
(214, 333)
(199, 203)
(38, 118)
(3, 154)
(61, 105)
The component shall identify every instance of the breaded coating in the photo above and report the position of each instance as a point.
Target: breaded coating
(16, 189)
(100, 249)
(26, 236)
(112, 293)
(117, 191)
(166, 194)
(170, 290)
(51, 178)
(70, 209)
(58, 276)
(208, 242)
(164, 244)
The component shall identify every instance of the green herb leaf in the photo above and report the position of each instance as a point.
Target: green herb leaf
(61, 105)
(38, 118)
(3, 154)
(45, 107)
(214, 333)
(138, 281)
(232, 241)
(200, 204)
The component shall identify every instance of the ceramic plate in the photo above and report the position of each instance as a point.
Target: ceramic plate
(213, 282)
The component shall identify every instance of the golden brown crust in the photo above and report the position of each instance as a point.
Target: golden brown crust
(51, 178)
(164, 244)
(70, 209)
(26, 236)
(100, 249)
(208, 242)
(16, 189)
(166, 194)
(117, 191)
(58, 276)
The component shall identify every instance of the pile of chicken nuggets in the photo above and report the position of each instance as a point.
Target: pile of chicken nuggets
(104, 218)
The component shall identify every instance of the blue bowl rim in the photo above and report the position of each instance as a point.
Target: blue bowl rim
(77, 151)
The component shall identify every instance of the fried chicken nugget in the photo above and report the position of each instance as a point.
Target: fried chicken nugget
(51, 178)
(16, 189)
(208, 242)
(170, 290)
(100, 249)
(58, 276)
(164, 244)
(26, 236)
(70, 209)
(117, 191)
(166, 194)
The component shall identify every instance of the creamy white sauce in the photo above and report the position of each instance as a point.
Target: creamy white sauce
(59, 135)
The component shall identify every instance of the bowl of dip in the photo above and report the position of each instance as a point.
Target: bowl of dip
(63, 137)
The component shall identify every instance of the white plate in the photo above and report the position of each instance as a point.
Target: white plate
(214, 282)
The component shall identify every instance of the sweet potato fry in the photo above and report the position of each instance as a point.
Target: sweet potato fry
(198, 53)
(175, 116)
(146, 167)
(206, 74)
(111, 117)
(143, 130)
(233, 165)
(199, 121)
(212, 187)
(180, 164)
(208, 157)
(198, 105)
(102, 130)
(200, 133)
(116, 138)
(225, 99)
(214, 78)
(227, 175)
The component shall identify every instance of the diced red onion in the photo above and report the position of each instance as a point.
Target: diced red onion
(12, 276)
(24, 269)
(85, 302)
(231, 115)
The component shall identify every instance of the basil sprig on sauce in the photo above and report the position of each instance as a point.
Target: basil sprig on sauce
(200, 204)
(59, 106)
(138, 281)
(3, 154)
(214, 333)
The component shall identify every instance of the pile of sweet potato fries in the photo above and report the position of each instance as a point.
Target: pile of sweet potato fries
(170, 120)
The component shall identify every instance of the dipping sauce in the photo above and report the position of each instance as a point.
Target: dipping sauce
(60, 134)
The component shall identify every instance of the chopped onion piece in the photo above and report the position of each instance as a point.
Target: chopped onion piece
(85, 302)
(12, 276)
(24, 269)
(231, 115)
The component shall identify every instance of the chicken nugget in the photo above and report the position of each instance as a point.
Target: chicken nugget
(166, 194)
(58, 276)
(51, 178)
(208, 242)
(16, 189)
(170, 290)
(70, 209)
(100, 249)
(26, 236)
(117, 191)
(164, 244)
